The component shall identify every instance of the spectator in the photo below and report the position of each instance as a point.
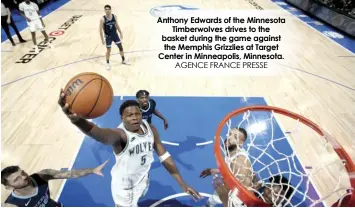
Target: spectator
(7, 20)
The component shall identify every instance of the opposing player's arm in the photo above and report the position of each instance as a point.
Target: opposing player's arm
(165, 157)
(157, 113)
(50, 174)
(101, 29)
(117, 26)
(209, 171)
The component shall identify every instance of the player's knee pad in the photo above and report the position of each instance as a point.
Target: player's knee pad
(120, 46)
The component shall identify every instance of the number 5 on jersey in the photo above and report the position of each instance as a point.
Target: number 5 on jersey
(143, 160)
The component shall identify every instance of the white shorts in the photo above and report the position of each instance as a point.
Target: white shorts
(232, 199)
(130, 197)
(213, 200)
(35, 25)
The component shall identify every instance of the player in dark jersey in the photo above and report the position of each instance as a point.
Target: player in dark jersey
(109, 26)
(148, 107)
(33, 190)
(276, 191)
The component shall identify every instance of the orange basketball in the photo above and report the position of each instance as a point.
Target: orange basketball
(89, 95)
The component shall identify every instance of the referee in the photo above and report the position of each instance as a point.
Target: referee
(7, 20)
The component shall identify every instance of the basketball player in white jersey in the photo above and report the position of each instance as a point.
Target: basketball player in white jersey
(31, 13)
(133, 143)
(238, 161)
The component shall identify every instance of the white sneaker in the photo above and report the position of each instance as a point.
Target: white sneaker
(108, 67)
(50, 45)
(36, 49)
(125, 62)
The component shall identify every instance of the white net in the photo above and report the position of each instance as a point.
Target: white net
(290, 167)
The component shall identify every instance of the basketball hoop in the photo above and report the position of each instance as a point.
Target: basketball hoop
(332, 158)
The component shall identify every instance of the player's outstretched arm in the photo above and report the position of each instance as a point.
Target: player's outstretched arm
(209, 171)
(170, 166)
(103, 135)
(157, 113)
(50, 174)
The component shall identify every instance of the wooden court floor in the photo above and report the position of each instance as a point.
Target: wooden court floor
(36, 134)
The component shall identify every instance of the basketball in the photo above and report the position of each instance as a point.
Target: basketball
(89, 95)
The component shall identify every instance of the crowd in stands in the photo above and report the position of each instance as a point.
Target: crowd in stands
(342, 6)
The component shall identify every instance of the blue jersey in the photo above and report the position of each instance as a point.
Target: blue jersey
(110, 26)
(41, 198)
(147, 113)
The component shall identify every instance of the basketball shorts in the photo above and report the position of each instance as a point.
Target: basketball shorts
(112, 38)
(129, 197)
(213, 200)
(35, 25)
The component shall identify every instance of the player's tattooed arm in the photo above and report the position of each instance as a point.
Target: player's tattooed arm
(170, 166)
(50, 174)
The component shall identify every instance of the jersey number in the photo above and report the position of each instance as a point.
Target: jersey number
(143, 160)
(110, 27)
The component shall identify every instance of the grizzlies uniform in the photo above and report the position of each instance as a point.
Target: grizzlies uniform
(41, 198)
(147, 113)
(130, 174)
(110, 31)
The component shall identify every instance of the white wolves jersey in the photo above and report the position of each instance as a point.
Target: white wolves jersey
(135, 160)
(30, 10)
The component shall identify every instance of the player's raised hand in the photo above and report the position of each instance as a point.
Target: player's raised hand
(99, 168)
(194, 194)
(208, 171)
(65, 107)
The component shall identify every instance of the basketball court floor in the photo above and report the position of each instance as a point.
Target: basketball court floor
(315, 80)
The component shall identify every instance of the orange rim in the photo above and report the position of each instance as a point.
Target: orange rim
(248, 197)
